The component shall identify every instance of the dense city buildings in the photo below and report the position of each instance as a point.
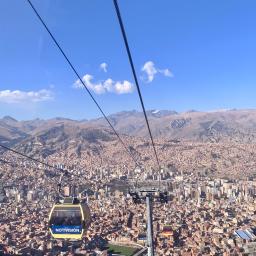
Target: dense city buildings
(204, 216)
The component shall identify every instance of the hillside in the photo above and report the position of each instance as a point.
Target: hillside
(220, 142)
(216, 126)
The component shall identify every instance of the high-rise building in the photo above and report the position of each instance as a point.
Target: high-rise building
(17, 211)
(17, 197)
(66, 191)
(30, 195)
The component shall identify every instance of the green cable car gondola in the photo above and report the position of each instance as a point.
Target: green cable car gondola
(70, 219)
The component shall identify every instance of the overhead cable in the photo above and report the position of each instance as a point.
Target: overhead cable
(135, 77)
(31, 158)
(82, 82)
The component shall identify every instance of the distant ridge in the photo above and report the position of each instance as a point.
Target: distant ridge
(213, 126)
(9, 118)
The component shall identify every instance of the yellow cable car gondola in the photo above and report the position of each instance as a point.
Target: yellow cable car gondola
(69, 220)
(167, 231)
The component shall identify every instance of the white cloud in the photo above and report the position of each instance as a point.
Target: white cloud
(108, 85)
(77, 84)
(123, 87)
(98, 88)
(104, 66)
(87, 79)
(151, 71)
(17, 96)
(166, 72)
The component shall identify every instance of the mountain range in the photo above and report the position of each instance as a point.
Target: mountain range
(191, 125)
(221, 141)
(58, 133)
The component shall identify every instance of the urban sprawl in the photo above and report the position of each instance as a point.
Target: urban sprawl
(204, 215)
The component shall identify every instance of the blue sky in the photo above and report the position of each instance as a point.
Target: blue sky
(196, 55)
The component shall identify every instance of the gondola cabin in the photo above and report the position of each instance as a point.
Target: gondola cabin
(167, 231)
(69, 220)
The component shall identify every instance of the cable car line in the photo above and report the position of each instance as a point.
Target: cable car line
(6, 162)
(11, 164)
(67, 220)
(70, 218)
(63, 172)
(135, 77)
(81, 80)
(33, 159)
